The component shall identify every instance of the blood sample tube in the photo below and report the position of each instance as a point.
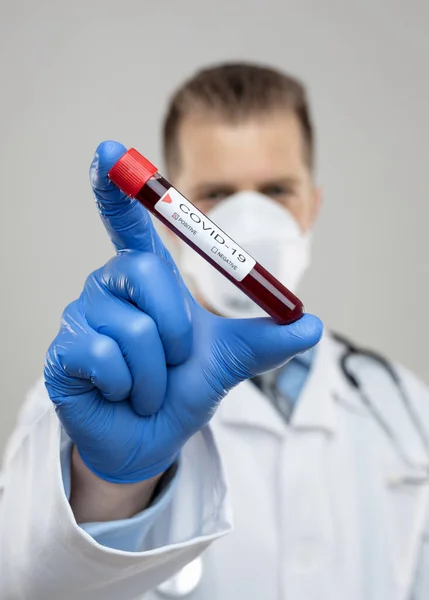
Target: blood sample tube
(140, 179)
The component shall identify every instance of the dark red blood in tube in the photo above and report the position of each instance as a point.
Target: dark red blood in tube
(139, 179)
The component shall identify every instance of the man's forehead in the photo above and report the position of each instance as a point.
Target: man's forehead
(267, 146)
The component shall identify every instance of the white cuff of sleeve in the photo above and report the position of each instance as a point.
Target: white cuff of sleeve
(124, 534)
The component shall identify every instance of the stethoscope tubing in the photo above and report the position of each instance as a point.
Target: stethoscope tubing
(352, 351)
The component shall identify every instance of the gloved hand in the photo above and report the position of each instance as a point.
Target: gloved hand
(139, 366)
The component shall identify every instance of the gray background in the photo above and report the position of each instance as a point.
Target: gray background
(75, 73)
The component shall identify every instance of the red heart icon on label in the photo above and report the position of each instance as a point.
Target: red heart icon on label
(167, 198)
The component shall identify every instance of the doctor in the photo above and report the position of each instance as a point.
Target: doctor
(126, 472)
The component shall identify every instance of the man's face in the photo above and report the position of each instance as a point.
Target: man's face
(263, 153)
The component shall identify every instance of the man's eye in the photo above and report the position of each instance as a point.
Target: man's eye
(215, 195)
(278, 191)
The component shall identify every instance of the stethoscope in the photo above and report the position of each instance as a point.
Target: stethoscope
(188, 579)
(351, 351)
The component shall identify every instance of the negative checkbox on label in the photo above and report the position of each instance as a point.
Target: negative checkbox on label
(214, 249)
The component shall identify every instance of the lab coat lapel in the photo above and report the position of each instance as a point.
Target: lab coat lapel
(316, 406)
(246, 405)
(309, 567)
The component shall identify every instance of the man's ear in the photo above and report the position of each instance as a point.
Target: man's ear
(316, 205)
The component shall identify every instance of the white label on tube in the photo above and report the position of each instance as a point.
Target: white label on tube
(198, 228)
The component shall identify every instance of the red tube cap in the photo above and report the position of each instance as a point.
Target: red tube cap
(131, 172)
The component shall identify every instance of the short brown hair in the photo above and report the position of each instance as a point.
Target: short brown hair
(235, 91)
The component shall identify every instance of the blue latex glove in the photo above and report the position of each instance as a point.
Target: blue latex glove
(139, 366)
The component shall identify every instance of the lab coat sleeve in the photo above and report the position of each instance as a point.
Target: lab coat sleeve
(45, 555)
(124, 534)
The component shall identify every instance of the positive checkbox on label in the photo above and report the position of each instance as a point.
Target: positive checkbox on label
(214, 249)
(175, 216)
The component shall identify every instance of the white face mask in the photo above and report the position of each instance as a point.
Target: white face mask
(268, 232)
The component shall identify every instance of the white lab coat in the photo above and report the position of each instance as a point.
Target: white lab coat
(324, 508)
